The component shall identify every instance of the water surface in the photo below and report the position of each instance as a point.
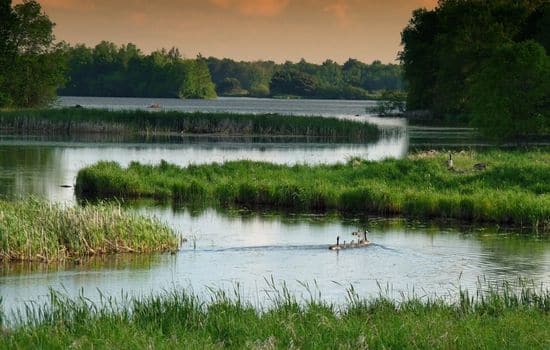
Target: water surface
(239, 249)
(226, 249)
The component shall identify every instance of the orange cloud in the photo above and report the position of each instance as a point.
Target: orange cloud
(266, 8)
(340, 9)
(68, 4)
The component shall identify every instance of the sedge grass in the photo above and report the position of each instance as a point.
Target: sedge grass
(74, 120)
(514, 189)
(35, 230)
(501, 318)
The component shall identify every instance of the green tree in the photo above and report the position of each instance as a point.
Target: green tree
(443, 48)
(197, 82)
(293, 82)
(31, 64)
(230, 86)
(510, 95)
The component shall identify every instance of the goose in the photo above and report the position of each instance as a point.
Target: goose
(336, 246)
(450, 162)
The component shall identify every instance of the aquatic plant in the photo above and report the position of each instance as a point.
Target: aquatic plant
(501, 318)
(35, 230)
(73, 120)
(513, 189)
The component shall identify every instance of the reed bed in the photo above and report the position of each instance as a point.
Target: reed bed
(514, 188)
(79, 120)
(35, 230)
(499, 319)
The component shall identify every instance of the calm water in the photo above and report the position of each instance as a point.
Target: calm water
(228, 104)
(226, 249)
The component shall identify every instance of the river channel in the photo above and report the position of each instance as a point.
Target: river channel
(228, 249)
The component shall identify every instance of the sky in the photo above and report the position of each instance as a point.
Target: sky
(277, 30)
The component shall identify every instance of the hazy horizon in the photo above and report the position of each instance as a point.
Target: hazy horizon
(250, 30)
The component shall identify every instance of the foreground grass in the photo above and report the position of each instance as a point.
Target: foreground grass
(500, 319)
(34, 230)
(69, 120)
(514, 189)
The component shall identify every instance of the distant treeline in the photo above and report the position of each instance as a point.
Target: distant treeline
(352, 80)
(111, 70)
(481, 61)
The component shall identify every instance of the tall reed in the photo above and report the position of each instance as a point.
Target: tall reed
(35, 230)
(72, 120)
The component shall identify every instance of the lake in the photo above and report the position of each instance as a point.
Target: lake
(239, 249)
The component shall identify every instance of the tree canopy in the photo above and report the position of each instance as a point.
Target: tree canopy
(448, 50)
(509, 95)
(353, 79)
(31, 64)
(110, 70)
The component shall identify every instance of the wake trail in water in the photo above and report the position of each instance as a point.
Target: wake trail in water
(302, 247)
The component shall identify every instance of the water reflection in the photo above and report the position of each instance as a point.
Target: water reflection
(519, 254)
(41, 165)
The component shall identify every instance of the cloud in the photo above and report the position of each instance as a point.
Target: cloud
(340, 9)
(68, 4)
(265, 8)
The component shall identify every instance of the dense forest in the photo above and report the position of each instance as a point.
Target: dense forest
(481, 61)
(113, 71)
(109, 70)
(351, 80)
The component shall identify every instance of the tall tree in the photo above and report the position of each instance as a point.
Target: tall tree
(31, 64)
(443, 47)
(510, 95)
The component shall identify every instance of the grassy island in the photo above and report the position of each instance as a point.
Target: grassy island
(83, 120)
(34, 230)
(514, 187)
(496, 320)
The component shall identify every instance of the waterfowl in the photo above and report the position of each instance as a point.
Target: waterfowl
(337, 245)
(480, 166)
(450, 164)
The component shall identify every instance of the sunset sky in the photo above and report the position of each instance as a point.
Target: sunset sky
(278, 30)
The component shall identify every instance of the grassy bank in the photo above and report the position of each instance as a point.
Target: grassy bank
(34, 230)
(514, 189)
(73, 120)
(497, 320)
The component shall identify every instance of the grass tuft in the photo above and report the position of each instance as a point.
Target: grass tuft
(35, 230)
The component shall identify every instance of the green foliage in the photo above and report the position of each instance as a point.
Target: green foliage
(110, 70)
(499, 318)
(515, 189)
(34, 230)
(31, 65)
(510, 95)
(444, 48)
(230, 86)
(352, 80)
(391, 103)
(197, 83)
(73, 120)
(293, 82)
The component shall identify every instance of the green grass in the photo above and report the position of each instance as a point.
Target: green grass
(515, 188)
(34, 230)
(499, 319)
(71, 120)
